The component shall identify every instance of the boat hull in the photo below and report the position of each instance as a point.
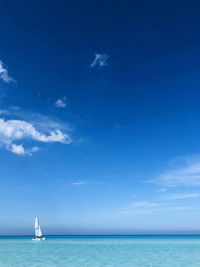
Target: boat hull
(38, 239)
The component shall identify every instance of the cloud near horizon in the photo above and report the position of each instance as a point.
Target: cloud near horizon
(149, 209)
(12, 131)
(4, 74)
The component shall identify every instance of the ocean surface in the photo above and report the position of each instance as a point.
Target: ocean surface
(104, 251)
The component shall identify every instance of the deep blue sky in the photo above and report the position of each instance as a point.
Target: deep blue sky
(120, 82)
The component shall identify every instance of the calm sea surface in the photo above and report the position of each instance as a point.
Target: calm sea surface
(104, 251)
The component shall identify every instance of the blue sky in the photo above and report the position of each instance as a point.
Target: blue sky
(99, 117)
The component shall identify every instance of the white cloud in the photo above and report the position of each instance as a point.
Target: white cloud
(20, 150)
(4, 74)
(11, 130)
(17, 149)
(61, 102)
(78, 183)
(181, 172)
(100, 60)
(15, 130)
(183, 196)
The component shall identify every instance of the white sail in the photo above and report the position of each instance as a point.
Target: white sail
(38, 231)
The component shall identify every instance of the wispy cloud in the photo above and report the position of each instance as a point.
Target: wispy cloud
(145, 211)
(2, 112)
(140, 208)
(100, 60)
(12, 131)
(183, 171)
(61, 102)
(149, 207)
(78, 183)
(145, 204)
(183, 196)
(40, 121)
(163, 189)
(4, 74)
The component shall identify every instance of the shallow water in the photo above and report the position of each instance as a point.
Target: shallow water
(104, 251)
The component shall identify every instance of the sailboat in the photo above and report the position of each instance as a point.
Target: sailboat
(38, 232)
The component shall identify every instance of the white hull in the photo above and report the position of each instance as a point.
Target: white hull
(38, 239)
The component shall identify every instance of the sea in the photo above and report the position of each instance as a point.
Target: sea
(104, 251)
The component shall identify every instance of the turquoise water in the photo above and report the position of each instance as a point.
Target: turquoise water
(104, 251)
